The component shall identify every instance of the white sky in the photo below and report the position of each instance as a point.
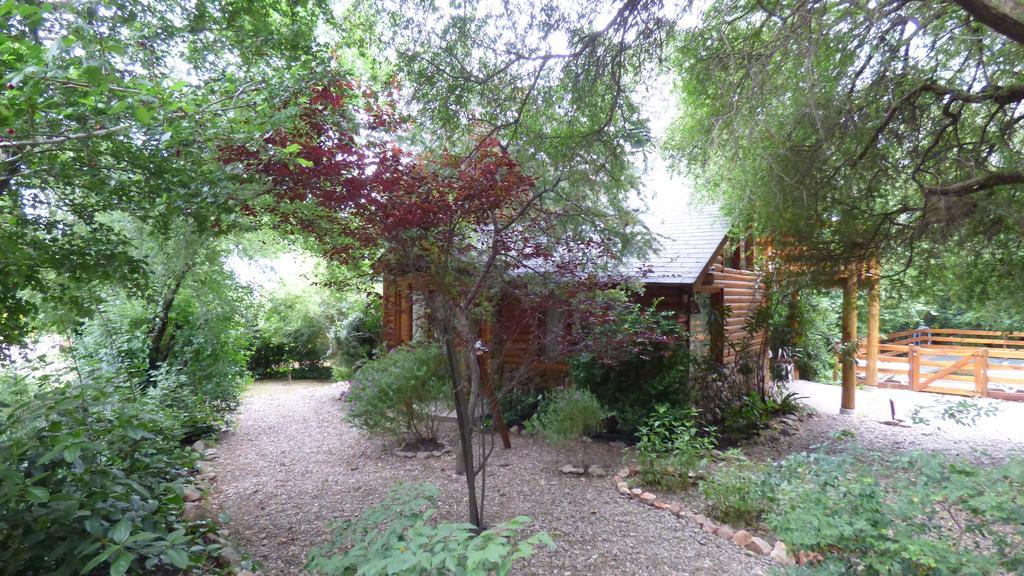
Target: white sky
(287, 270)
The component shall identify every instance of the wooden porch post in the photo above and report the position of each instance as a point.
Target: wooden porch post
(794, 325)
(849, 341)
(874, 310)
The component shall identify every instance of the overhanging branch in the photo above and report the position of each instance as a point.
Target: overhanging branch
(62, 139)
(975, 185)
(1004, 16)
(1002, 95)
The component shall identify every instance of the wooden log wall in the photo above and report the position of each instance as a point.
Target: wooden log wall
(743, 294)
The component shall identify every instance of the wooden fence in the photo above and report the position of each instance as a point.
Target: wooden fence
(947, 361)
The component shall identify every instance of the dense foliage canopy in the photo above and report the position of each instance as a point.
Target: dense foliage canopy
(851, 130)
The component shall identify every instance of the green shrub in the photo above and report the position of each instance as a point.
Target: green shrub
(341, 373)
(399, 394)
(918, 513)
(400, 536)
(519, 405)
(92, 457)
(735, 493)
(356, 338)
(567, 414)
(671, 447)
(292, 336)
(755, 412)
(631, 387)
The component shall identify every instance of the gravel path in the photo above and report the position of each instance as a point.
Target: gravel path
(991, 439)
(292, 465)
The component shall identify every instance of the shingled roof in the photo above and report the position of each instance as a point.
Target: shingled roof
(687, 239)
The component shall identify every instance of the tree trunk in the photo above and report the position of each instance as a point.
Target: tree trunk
(158, 348)
(849, 342)
(469, 373)
(459, 376)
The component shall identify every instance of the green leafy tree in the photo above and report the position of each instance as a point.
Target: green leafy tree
(850, 130)
(121, 107)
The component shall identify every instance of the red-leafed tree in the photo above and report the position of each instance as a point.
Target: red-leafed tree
(473, 225)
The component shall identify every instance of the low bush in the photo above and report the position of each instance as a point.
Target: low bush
(401, 536)
(567, 414)
(672, 447)
(918, 513)
(736, 493)
(519, 405)
(755, 412)
(93, 451)
(631, 387)
(400, 394)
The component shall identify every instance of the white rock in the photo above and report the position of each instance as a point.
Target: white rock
(230, 555)
(570, 469)
(758, 546)
(780, 554)
(193, 511)
(190, 494)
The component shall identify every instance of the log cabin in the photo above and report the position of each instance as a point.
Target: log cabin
(698, 269)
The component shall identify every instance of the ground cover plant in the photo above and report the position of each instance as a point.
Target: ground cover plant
(736, 493)
(914, 513)
(403, 536)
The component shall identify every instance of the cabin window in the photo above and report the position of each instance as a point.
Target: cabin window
(707, 317)
(554, 329)
(699, 337)
(420, 317)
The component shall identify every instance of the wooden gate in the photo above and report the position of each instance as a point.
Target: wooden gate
(947, 361)
(948, 370)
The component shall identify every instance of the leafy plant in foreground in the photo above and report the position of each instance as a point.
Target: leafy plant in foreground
(920, 514)
(964, 412)
(672, 446)
(736, 494)
(400, 536)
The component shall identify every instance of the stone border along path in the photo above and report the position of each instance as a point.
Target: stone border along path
(778, 553)
(197, 507)
(292, 464)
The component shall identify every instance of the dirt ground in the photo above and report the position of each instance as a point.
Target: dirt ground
(292, 464)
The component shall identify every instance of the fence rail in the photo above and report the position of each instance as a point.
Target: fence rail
(975, 363)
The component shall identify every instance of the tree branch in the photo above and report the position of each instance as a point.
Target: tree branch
(1002, 95)
(974, 185)
(1004, 16)
(62, 139)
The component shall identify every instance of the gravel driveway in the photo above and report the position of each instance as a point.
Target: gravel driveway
(292, 464)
